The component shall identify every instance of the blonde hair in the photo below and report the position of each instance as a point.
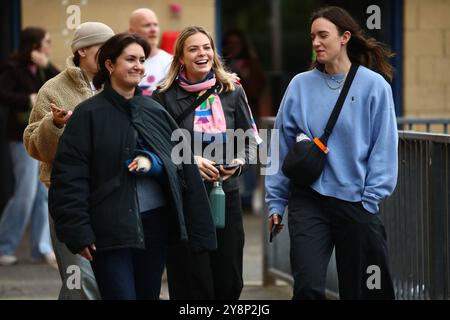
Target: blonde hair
(224, 78)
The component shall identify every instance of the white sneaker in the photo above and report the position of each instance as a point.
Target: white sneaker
(7, 260)
(48, 259)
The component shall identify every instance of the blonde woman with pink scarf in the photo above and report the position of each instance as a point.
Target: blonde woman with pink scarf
(197, 70)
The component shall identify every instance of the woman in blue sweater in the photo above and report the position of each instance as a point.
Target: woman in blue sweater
(340, 208)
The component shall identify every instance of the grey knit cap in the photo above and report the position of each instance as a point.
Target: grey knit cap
(90, 33)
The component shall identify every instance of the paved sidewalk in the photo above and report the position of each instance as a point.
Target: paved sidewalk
(26, 280)
(253, 259)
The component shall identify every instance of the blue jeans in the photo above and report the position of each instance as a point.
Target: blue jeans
(28, 204)
(130, 274)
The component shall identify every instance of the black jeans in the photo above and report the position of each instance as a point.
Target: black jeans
(129, 274)
(318, 223)
(193, 275)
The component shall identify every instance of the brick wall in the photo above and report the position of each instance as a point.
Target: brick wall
(52, 15)
(427, 58)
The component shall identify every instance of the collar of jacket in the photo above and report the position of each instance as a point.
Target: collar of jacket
(122, 103)
(182, 94)
(78, 76)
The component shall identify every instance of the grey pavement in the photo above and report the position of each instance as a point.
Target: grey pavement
(253, 261)
(30, 281)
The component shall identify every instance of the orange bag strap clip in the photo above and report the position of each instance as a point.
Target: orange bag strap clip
(321, 146)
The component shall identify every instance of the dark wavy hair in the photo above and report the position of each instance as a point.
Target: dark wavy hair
(360, 49)
(112, 49)
(30, 39)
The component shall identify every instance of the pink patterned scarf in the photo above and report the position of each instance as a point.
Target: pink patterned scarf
(209, 118)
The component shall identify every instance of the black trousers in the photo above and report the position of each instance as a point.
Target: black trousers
(208, 275)
(317, 224)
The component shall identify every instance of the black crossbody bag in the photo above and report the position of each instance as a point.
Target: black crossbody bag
(305, 161)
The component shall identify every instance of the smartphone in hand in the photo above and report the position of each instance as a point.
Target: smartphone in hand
(228, 166)
(272, 232)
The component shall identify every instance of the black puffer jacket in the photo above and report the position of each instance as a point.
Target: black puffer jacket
(92, 197)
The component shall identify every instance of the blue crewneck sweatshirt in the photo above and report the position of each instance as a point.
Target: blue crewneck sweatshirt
(362, 162)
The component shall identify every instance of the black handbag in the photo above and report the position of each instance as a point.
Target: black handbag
(305, 161)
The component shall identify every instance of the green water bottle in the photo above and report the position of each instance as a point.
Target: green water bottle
(217, 202)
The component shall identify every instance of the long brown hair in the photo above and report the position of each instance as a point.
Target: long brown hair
(224, 78)
(360, 49)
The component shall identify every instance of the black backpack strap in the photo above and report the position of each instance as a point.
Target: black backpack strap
(340, 102)
(195, 104)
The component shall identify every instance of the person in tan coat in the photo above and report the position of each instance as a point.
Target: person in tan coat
(42, 134)
(55, 103)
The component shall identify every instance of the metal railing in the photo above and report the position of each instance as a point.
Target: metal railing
(424, 124)
(416, 218)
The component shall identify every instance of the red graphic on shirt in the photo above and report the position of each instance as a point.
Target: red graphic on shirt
(151, 79)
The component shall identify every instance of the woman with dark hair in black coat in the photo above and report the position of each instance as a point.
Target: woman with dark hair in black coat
(116, 197)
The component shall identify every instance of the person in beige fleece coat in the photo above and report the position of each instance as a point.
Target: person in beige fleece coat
(54, 105)
(41, 136)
